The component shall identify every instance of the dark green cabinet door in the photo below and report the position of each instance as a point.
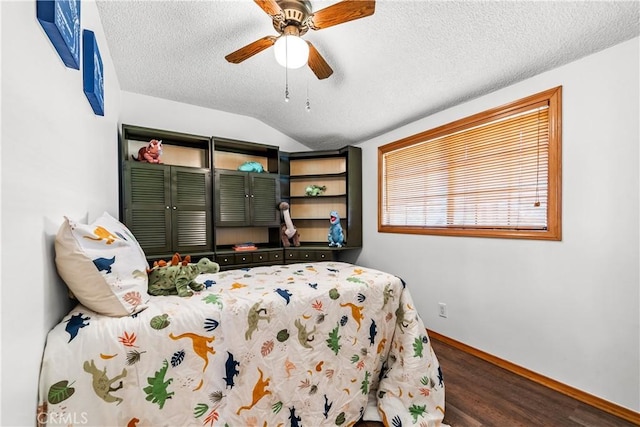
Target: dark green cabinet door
(232, 198)
(148, 205)
(168, 208)
(247, 199)
(191, 209)
(265, 197)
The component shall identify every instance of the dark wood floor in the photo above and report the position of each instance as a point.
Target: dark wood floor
(480, 394)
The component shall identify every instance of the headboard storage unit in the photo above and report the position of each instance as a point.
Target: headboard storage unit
(218, 198)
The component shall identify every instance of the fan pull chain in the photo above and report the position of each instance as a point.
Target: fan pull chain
(286, 71)
(308, 105)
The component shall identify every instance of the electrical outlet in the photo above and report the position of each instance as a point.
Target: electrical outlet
(442, 309)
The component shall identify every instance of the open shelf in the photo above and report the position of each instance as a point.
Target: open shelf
(178, 149)
(340, 172)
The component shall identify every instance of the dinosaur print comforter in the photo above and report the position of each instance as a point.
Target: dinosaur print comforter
(305, 344)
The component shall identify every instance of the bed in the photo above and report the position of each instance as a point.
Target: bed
(307, 344)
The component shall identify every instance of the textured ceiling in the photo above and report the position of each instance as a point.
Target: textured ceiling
(406, 61)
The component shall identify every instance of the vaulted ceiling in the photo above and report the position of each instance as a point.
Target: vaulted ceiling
(408, 60)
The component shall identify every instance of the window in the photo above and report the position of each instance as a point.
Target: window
(494, 174)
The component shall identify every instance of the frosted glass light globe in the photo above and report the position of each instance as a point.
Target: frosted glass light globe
(291, 51)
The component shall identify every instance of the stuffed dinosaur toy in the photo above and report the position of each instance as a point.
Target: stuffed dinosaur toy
(177, 277)
(150, 153)
(251, 167)
(315, 190)
(287, 231)
(336, 235)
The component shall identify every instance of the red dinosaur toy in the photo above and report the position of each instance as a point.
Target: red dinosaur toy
(151, 152)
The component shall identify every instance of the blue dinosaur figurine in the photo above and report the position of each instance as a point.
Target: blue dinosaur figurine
(336, 236)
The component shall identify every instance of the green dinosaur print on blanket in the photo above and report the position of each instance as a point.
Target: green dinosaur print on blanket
(418, 347)
(417, 411)
(333, 342)
(157, 389)
(355, 280)
(364, 387)
(213, 299)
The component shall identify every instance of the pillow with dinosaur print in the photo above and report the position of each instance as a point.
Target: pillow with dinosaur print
(103, 266)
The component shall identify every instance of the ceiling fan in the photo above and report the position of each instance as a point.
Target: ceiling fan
(293, 18)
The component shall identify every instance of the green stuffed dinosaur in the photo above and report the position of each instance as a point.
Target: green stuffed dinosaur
(315, 190)
(177, 277)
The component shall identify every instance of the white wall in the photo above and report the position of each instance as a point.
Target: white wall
(568, 310)
(141, 110)
(58, 158)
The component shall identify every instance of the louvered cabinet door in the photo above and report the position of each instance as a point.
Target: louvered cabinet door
(191, 209)
(265, 197)
(147, 210)
(232, 198)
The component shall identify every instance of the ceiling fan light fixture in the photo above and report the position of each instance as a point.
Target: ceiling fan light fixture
(291, 51)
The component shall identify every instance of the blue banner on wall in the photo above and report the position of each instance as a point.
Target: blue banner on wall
(93, 82)
(60, 20)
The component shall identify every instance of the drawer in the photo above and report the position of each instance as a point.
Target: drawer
(276, 256)
(309, 255)
(226, 259)
(324, 255)
(244, 258)
(260, 257)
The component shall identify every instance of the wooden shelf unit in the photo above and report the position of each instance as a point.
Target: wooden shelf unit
(340, 171)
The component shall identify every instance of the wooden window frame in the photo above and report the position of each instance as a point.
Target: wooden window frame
(553, 231)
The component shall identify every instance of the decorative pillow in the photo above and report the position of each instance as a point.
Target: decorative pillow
(103, 266)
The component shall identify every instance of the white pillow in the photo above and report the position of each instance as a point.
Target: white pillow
(103, 266)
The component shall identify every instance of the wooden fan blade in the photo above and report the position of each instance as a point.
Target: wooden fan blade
(251, 49)
(318, 65)
(269, 6)
(345, 11)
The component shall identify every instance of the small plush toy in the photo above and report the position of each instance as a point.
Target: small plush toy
(336, 236)
(315, 190)
(287, 230)
(177, 277)
(151, 152)
(251, 167)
